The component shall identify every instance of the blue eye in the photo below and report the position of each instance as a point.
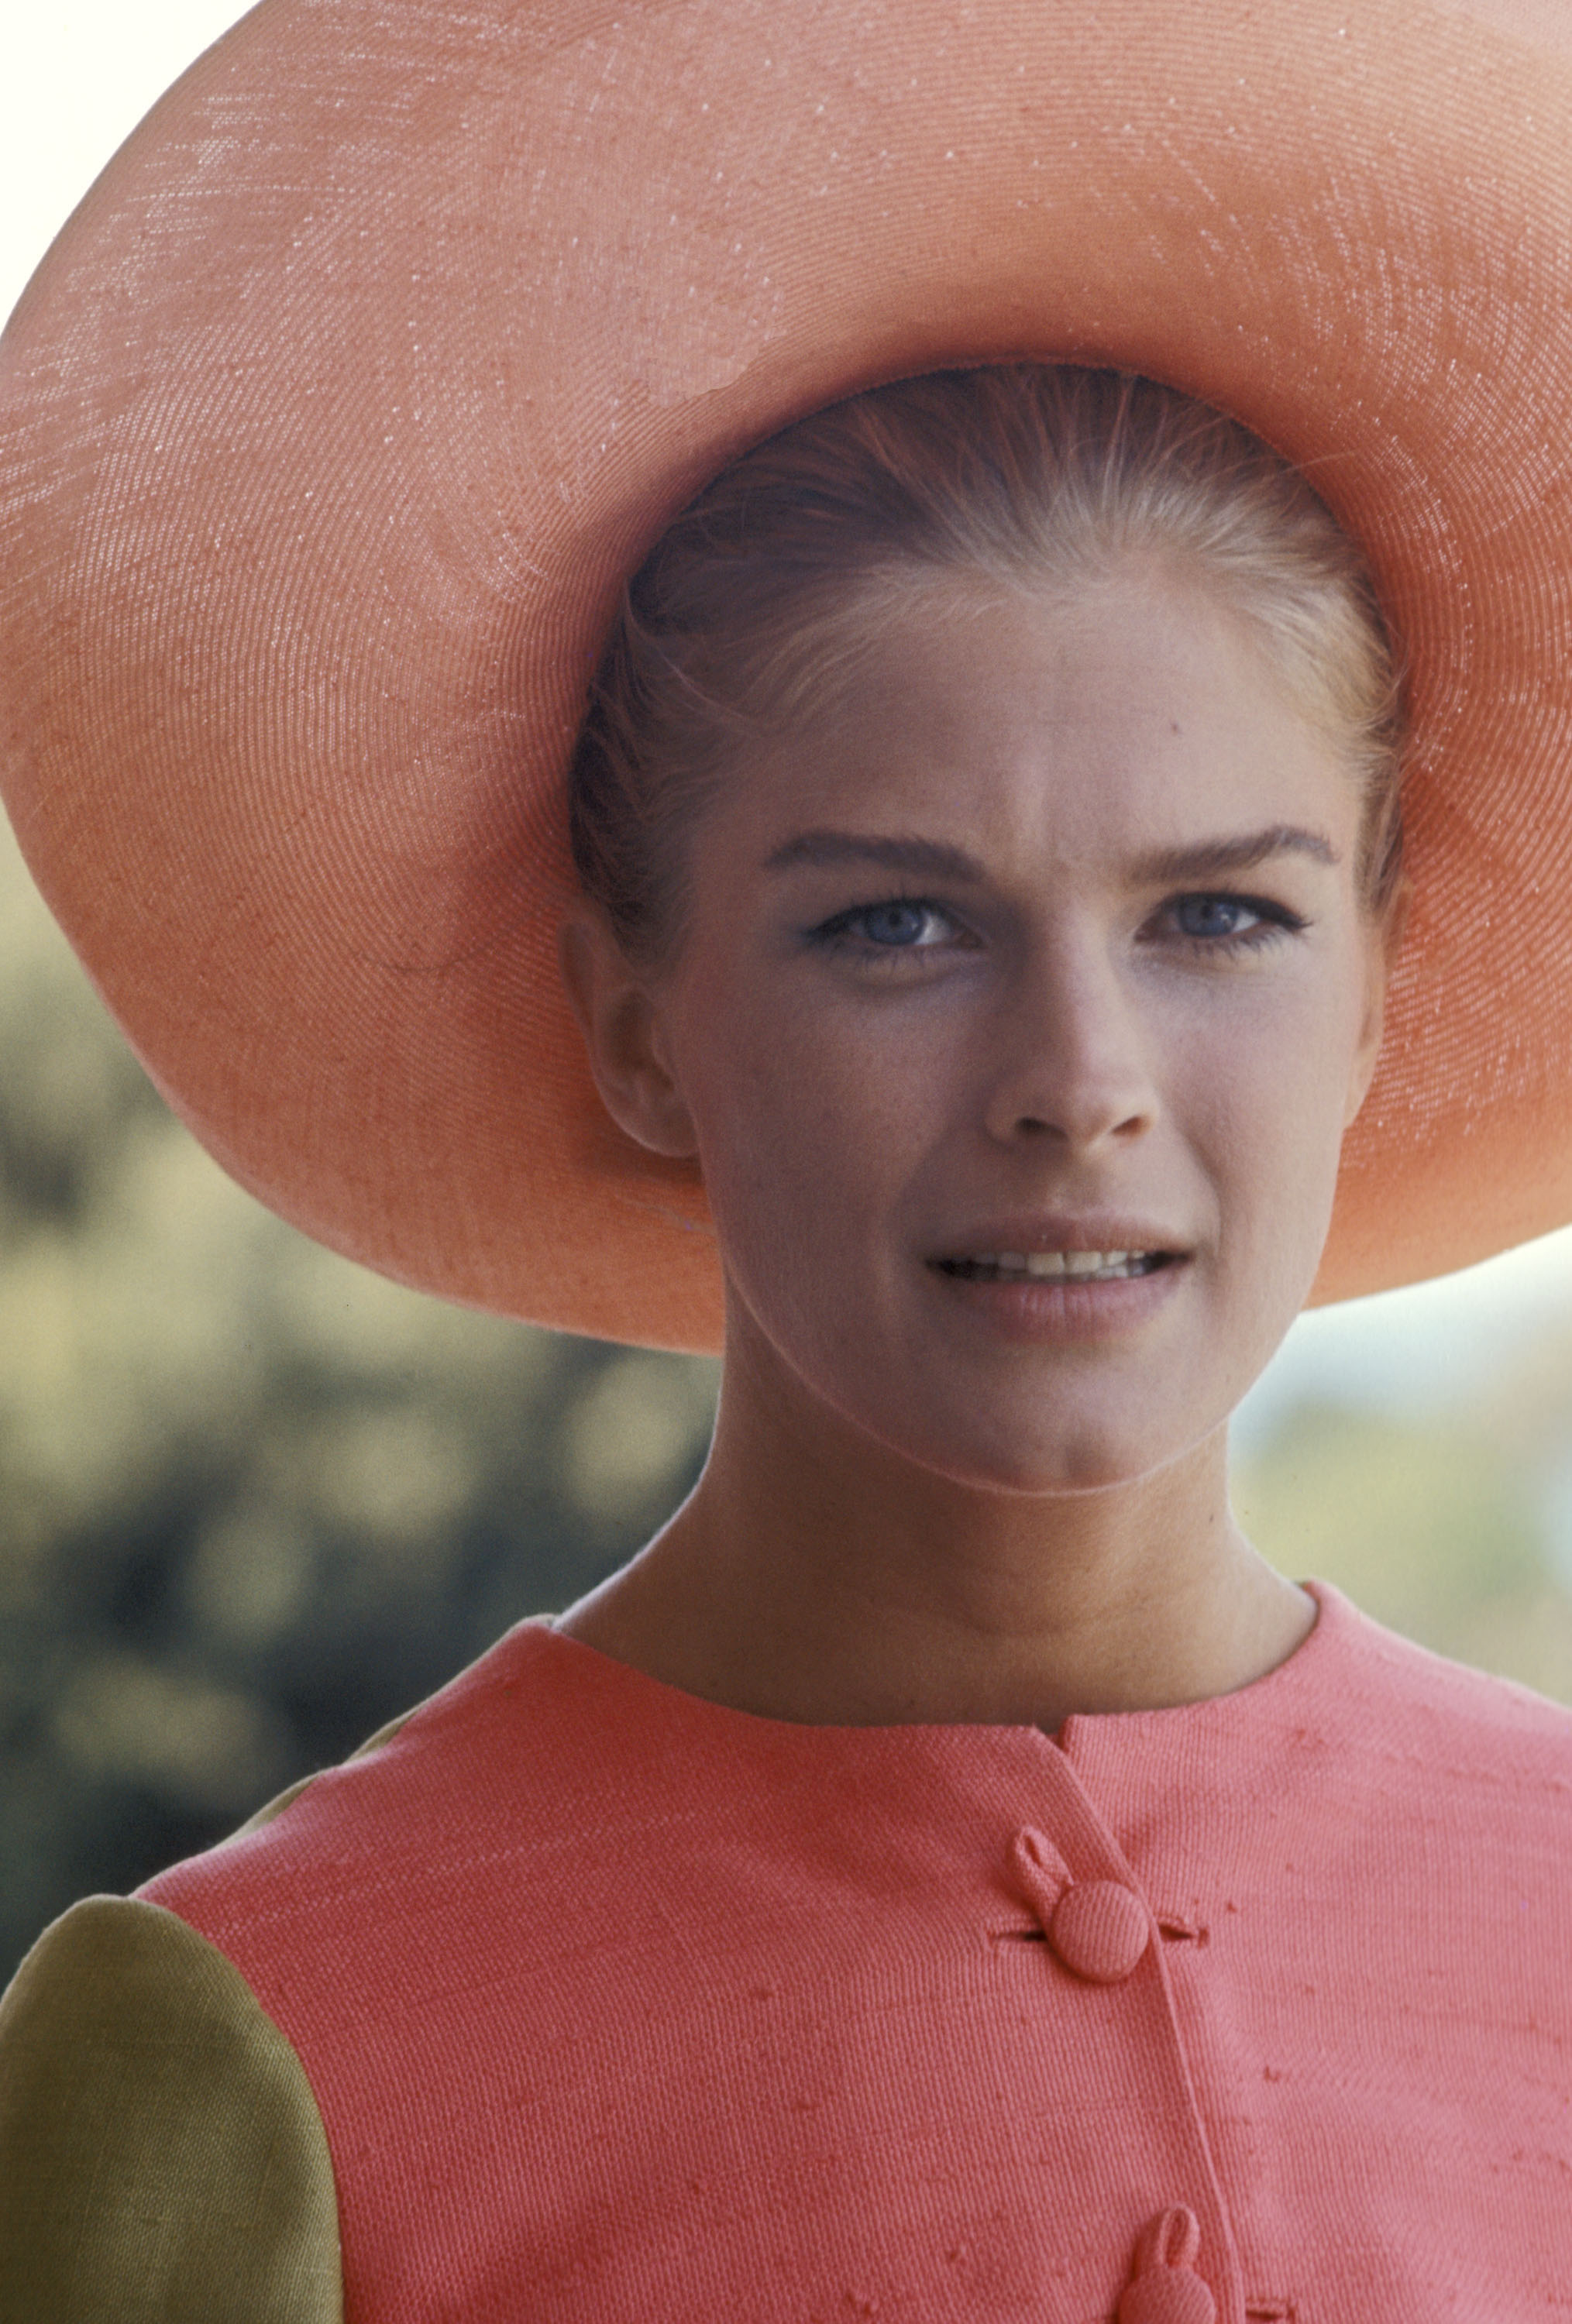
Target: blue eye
(1215, 916)
(898, 923)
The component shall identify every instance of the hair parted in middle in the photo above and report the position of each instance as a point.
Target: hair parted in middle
(751, 615)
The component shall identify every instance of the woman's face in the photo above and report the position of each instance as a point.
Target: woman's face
(1021, 1010)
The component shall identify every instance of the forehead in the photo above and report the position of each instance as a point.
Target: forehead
(1141, 715)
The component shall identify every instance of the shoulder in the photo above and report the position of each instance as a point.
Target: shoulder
(509, 1738)
(498, 1778)
(1455, 1732)
(1403, 1682)
(160, 2149)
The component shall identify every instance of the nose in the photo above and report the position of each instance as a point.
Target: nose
(1072, 1066)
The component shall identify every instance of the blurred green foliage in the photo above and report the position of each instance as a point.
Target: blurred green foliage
(1450, 1529)
(254, 1501)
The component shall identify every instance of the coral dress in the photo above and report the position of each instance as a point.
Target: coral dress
(576, 1999)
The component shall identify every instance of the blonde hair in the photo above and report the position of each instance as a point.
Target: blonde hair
(751, 613)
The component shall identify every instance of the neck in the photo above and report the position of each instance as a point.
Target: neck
(815, 1575)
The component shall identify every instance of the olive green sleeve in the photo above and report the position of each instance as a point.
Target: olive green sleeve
(162, 2157)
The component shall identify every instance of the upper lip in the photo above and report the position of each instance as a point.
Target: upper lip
(1040, 1231)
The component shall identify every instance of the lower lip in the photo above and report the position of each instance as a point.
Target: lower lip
(1064, 1310)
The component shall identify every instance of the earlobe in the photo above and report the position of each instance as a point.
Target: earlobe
(619, 1017)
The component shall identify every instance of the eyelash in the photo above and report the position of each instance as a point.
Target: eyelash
(1273, 921)
(840, 934)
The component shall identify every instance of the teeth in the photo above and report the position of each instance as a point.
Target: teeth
(1054, 1265)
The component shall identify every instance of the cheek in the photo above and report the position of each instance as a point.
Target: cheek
(1267, 1096)
(810, 1134)
(798, 1118)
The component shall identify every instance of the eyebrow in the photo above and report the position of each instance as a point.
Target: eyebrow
(1209, 858)
(927, 858)
(1212, 859)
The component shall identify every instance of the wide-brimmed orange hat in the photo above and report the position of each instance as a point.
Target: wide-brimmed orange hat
(336, 417)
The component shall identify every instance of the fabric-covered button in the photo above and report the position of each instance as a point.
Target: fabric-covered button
(1099, 1930)
(1165, 2288)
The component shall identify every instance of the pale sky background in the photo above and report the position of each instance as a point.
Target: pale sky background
(78, 76)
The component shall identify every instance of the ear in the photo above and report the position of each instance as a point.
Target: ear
(619, 1015)
(1385, 942)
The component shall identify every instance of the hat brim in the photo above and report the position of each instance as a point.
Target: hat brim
(377, 358)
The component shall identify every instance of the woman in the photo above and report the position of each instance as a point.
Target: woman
(946, 1874)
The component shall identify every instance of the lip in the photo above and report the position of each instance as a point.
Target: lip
(1035, 1310)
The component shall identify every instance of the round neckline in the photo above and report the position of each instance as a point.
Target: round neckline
(1334, 1613)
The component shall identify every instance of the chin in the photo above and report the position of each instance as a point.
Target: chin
(1084, 1456)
